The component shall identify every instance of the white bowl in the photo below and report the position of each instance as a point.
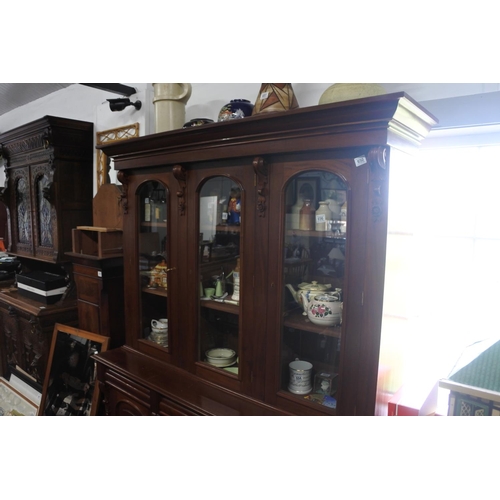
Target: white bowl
(221, 357)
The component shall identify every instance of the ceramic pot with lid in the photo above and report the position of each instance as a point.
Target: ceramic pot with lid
(325, 309)
(301, 296)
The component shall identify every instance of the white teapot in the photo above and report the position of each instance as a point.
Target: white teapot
(325, 308)
(304, 291)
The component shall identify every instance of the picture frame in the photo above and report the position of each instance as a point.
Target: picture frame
(70, 386)
(309, 187)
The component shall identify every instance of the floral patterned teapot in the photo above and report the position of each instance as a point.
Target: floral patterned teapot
(325, 308)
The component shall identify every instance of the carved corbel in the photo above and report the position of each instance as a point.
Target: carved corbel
(180, 174)
(260, 169)
(378, 161)
(123, 178)
(378, 157)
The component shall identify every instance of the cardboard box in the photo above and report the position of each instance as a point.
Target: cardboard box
(42, 286)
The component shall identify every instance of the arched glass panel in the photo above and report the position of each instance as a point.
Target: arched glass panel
(220, 226)
(313, 273)
(154, 262)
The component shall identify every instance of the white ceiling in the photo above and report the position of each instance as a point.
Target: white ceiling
(13, 95)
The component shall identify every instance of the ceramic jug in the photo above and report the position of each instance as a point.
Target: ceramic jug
(170, 105)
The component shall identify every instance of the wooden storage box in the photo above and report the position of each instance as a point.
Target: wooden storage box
(98, 241)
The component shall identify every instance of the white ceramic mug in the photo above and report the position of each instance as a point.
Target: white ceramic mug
(160, 324)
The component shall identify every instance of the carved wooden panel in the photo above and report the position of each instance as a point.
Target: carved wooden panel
(22, 234)
(9, 322)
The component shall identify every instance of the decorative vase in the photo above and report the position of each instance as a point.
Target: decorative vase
(347, 91)
(323, 215)
(275, 97)
(197, 122)
(170, 105)
(237, 108)
(306, 217)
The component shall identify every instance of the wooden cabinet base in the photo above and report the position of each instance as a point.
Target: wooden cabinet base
(135, 384)
(26, 328)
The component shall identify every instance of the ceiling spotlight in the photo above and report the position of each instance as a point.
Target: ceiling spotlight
(121, 103)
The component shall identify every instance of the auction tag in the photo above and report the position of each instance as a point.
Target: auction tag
(360, 160)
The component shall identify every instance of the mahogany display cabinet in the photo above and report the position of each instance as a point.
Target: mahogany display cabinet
(244, 295)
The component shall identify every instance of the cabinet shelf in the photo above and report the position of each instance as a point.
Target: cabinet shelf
(315, 234)
(155, 291)
(220, 306)
(227, 229)
(315, 407)
(158, 223)
(298, 321)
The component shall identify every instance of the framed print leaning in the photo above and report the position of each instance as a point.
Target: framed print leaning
(70, 387)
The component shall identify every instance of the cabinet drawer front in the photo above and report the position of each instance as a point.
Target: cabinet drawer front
(88, 289)
(169, 407)
(131, 389)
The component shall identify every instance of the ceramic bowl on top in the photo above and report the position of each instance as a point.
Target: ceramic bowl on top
(197, 122)
(221, 356)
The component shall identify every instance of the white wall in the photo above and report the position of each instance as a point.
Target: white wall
(85, 103)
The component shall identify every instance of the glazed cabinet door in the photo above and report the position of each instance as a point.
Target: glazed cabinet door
(223, 277)
(149, 261)
(320, 256)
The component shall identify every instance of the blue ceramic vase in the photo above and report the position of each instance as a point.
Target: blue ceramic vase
(237, 108)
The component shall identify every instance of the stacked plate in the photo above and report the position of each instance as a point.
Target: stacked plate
(221, 357)
(159, 338)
